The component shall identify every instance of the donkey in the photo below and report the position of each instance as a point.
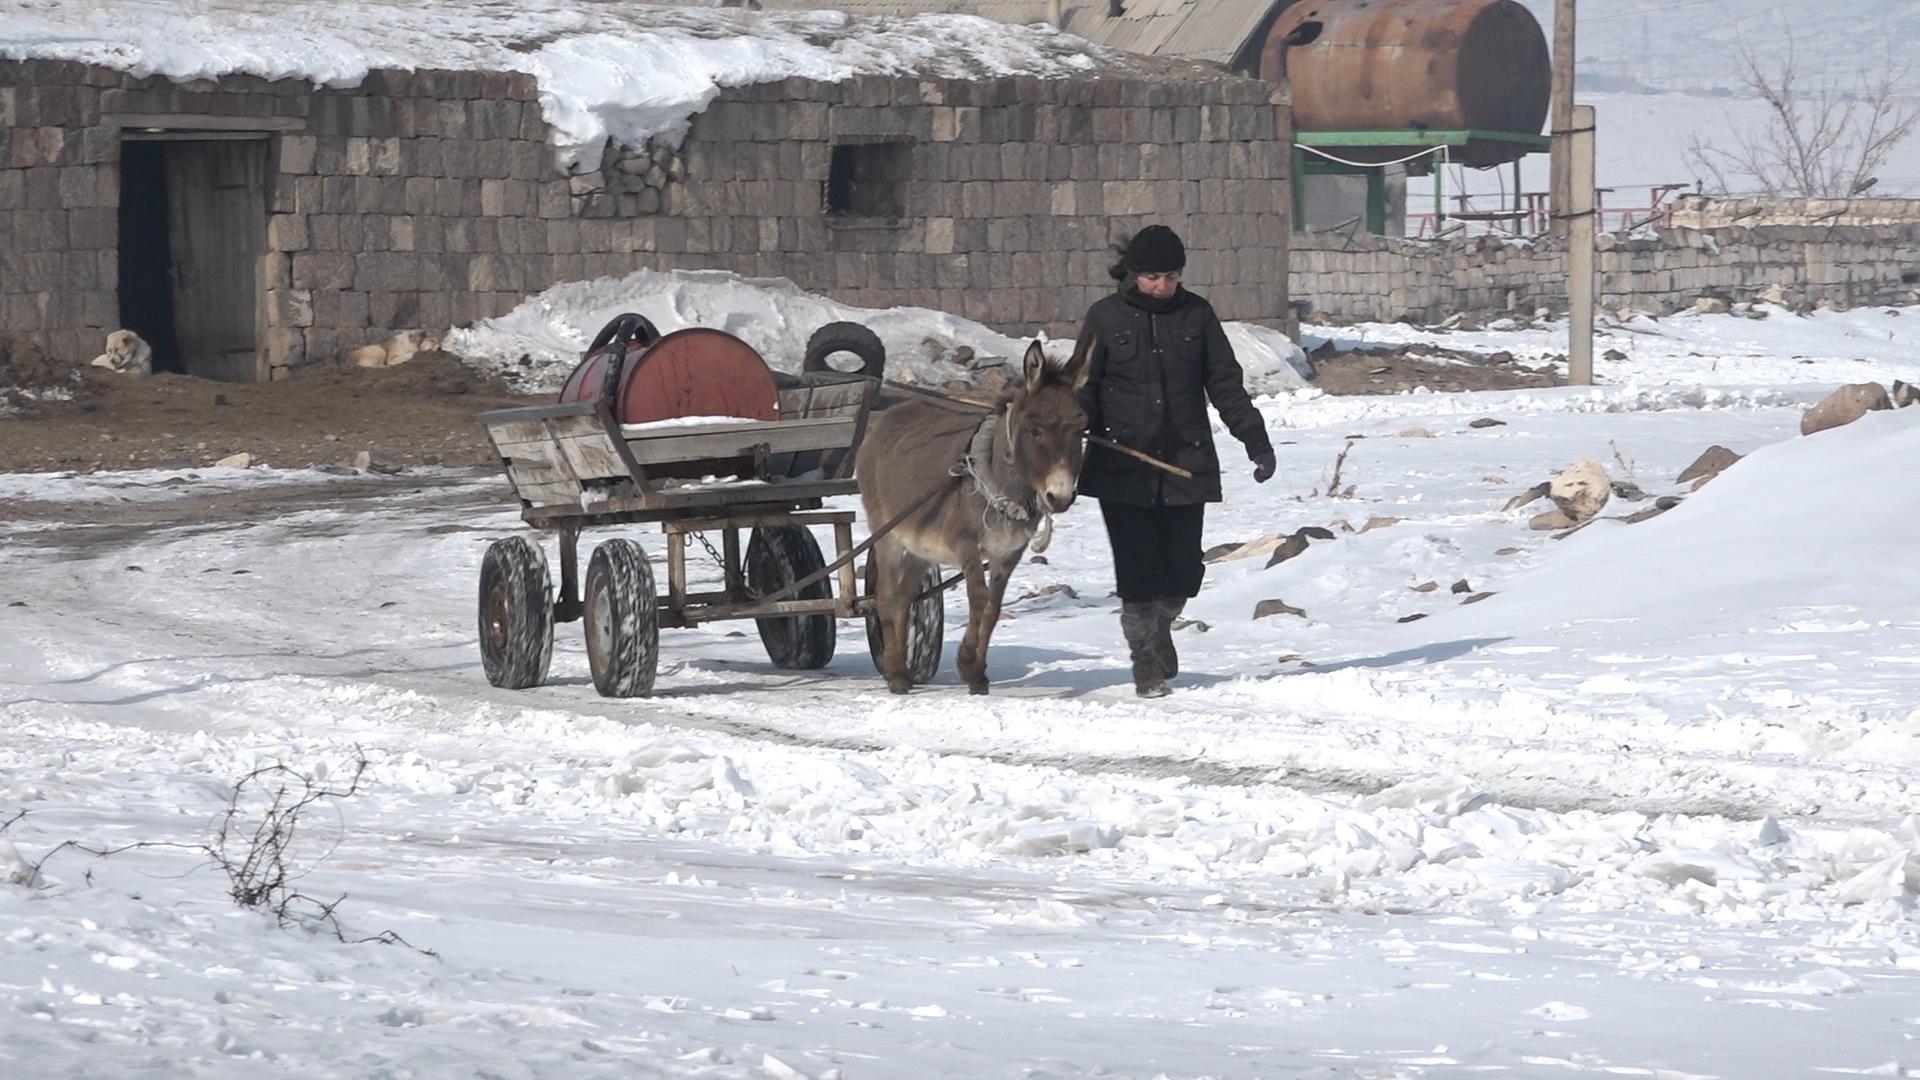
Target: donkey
(985, 484)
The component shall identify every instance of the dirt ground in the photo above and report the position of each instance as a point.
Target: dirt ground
(1398, 370)
(422, 413)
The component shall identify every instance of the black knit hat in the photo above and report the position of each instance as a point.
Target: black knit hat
(1155, 249)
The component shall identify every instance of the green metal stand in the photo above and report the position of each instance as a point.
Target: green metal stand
(1309, 164)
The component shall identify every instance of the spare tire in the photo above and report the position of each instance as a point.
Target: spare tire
(639, 331)
(847, 337)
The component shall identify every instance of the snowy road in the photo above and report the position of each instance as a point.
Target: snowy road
(1644, 811)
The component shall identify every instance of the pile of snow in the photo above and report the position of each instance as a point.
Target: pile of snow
(1797, 531)
(536, 344)
(631, 72)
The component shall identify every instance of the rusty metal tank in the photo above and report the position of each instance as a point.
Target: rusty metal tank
(1397, 65)
(696, 372)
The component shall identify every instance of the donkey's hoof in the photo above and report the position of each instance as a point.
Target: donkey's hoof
(978, 687)
(899, 686)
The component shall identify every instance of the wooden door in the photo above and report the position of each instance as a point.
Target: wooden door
(217, 228)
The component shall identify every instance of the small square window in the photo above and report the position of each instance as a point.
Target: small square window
(868, 179)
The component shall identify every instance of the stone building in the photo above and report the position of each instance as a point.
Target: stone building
(246, 227)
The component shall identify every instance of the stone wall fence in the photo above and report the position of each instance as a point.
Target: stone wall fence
(1358, 277)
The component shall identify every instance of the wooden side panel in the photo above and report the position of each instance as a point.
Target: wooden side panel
(554, 454)
(217, 226)
(849, 400)
(589, 456)
(719, 441)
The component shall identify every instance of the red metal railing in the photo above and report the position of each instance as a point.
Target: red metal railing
(1476, 215)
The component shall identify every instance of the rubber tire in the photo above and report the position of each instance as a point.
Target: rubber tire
(645, 333)
(926, 627)
(778, 556)
(623, 624)
(515, 614)
(839, 337)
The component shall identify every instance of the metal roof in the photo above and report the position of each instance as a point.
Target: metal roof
(1211, 30)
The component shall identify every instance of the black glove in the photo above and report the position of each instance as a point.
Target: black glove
(1263, 466)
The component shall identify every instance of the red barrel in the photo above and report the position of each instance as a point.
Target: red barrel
(692, 372)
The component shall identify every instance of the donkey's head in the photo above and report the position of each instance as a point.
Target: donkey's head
(1045, 422)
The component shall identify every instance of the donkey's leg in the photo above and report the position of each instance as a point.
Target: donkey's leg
(971, 660)
(999, 574)
(986, 616)
(893, 598)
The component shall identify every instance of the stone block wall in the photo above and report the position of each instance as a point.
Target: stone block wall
(1365, 277)
(388, 205)
(430, 199)
(1710, 212)
(1015, 189)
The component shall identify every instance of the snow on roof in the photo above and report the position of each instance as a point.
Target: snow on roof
(627, 71)
(1217, 31)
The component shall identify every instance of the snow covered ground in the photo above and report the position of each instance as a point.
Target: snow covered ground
(1645, 811)
(625, 70)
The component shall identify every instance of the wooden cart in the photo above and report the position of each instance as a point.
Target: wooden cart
(573, 468)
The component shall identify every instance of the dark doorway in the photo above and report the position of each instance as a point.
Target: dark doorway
(146, 289)
(193, 227)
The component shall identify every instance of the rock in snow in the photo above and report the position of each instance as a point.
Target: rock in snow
(1844, 406)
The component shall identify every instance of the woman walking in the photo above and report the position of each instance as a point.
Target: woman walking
(1157, 356)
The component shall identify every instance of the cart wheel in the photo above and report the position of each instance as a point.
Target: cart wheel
(516, 614)
(623, 628)
(926, 624)
(778, 556)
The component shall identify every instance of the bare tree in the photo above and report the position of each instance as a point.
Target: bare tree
(1821, 139)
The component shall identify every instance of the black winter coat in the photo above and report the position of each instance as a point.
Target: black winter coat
(1152, 368)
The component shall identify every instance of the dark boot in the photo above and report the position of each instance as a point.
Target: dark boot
(1138, 622)
(1166, 610)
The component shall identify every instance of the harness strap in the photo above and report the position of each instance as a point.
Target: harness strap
(974, 464)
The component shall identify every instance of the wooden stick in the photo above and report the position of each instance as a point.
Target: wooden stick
(964, 404)
(820, 575)
(1138, 456)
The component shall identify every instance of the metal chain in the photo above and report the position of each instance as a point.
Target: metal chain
(717, 560)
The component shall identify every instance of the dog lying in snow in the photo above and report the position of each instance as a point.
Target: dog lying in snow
(126, 354)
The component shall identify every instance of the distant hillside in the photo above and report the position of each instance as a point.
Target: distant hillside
(1689, 45)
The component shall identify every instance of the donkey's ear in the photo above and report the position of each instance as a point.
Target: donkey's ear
(1077, 369)
(1034, 367)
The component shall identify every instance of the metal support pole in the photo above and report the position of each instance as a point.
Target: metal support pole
(849, 586)
(568, 608)
(1580, 223)
(1519, 200)
(1299, 190)
(734, 575)
(677, 574)
(1560, 189)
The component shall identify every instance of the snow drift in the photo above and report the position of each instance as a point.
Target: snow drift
(1798, 526)
(538, 343)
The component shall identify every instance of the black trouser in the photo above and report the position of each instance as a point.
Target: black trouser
(1156, 549)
